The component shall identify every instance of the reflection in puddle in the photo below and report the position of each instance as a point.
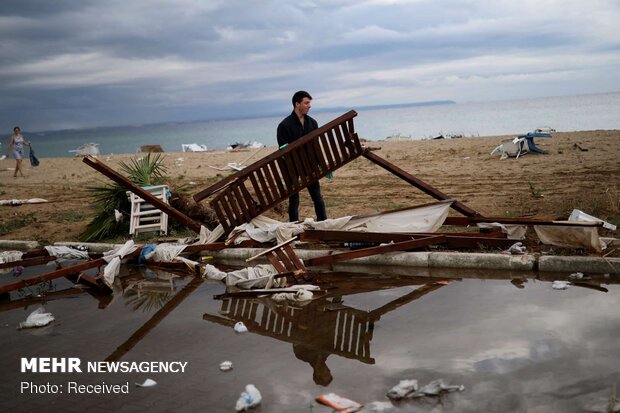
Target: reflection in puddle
(326, 325)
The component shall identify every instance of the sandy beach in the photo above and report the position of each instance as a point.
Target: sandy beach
(580, 171)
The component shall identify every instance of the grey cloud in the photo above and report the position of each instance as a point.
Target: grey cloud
(201, 56)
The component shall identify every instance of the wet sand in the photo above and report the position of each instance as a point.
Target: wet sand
(529, 349)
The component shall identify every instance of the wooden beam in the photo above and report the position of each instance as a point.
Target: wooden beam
(173, 213)
(465, 221)
(458, 240)
(418, 183)
(382, 249)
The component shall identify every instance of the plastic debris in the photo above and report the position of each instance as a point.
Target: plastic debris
(517, 249)
(147, 383)
(226, 365)
(576, 276)
(380, 406)
(38, 318)
(240, 327)
(251, 397)
(560, 285)
(403, 388)
(339, 403)
(299, 295)
(434, 388)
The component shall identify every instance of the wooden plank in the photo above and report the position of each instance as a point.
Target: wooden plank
(230, 206)
(299, 168)
(241, 201)
(333, 146)
(465, 221)
(293, 257)
(312, 160)
(261, 178)
(271, 181)
(327, 152)
(288, 241)
(151, 199)
(320, 158)
(382, 249)
(278, 178)
(342, 144)
(418, 183)
(257, 189)
(221, 216)
(275, 262)
(249, 201)
(453, 240)
(285, 260)
(292, 174)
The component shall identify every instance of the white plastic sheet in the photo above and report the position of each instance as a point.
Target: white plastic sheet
(427, 218)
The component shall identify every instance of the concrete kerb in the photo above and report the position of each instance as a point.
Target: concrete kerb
(488, 261)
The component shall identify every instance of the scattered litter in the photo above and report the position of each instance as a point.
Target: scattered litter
(516, 249)
(380, 406)
(403, 388)
(10, 256)
(409, 389)
(17, 271)
(299, 295)
(87, 149)
(226, 365)
(38, 318)
(2, 158)
(118, 216)
(339, 403)
(560, 285)
(578, 215)
(147, 383)
(193, 147)
(581, 148)
(251, 397)
(15, 202)
(576, 276)
(240, 327)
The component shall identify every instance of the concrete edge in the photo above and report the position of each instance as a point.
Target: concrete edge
(487, 261)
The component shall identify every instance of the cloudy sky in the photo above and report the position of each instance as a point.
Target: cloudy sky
(83, 63)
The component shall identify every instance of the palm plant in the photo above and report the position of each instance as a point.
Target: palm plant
(145, 171)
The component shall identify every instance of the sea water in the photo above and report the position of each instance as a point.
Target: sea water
(568, 113)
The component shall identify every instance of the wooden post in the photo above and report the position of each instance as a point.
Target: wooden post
(418, 183)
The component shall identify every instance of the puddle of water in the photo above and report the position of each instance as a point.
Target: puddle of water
(515, 343)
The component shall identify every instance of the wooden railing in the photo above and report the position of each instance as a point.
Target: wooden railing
(273, 179)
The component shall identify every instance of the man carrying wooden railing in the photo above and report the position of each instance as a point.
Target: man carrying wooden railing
(293, 127)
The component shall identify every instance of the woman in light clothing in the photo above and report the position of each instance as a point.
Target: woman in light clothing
(17, 143)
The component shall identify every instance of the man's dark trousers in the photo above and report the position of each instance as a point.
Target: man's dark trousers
(317, 199)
